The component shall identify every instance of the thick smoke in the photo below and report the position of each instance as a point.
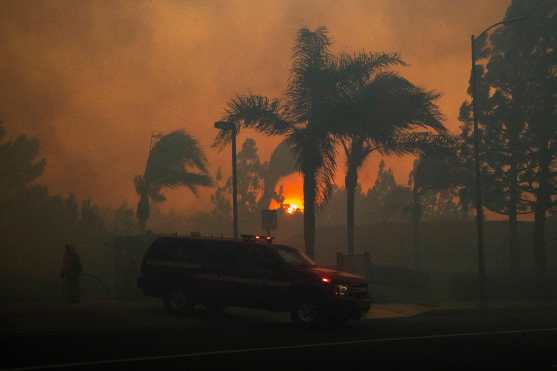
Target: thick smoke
(94, 79)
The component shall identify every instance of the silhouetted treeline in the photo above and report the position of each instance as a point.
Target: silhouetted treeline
(35, 224)
(387, 201)
(517, 103)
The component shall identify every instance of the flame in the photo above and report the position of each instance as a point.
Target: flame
(293, 194)
(293, 205)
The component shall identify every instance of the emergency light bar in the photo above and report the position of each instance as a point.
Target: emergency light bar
(251, 237)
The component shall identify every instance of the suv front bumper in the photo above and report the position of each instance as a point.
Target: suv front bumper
(350, 307)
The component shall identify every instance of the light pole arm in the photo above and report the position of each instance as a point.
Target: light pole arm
(490, 28)
(505, 22)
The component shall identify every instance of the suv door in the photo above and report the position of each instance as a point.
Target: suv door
(278, 280)
(163, 263)
(192, 259)
(240, 275)
(251, 274)
(218, 271)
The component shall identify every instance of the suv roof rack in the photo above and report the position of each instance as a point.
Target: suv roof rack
(257, 237)
(243, 237)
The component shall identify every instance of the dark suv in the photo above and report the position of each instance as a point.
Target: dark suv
(185, 271)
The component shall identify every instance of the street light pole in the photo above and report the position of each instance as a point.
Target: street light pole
(227, 125)
(478, 184)
(234, 185)
(477, 170)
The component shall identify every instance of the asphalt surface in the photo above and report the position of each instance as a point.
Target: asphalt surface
(119, 336)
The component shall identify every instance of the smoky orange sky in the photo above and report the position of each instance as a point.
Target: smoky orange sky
(93, 79)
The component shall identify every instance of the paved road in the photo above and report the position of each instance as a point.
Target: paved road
(118, 336)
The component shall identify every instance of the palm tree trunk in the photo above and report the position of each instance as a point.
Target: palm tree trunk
(542, 202)
(514, 253)
(142, 225)
(416, 228)
(309, 213)
(143, 211)
(540, 253)
(350, 182)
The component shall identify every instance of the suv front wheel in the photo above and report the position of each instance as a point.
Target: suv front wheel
(176, 302)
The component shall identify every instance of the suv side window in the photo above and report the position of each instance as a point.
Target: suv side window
(262, 257)
(192, 252)
(246, 259)
(221, 254)
(256, 258)
(166, 249)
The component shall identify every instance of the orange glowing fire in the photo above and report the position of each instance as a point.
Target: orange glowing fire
(293, 206)
(292, 188)
(290, 205)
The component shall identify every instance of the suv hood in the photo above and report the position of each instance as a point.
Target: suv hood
(339, 276)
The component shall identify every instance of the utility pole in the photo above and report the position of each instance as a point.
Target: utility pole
(234, 185)
(227, 125)
(477, 183)
(477, 168)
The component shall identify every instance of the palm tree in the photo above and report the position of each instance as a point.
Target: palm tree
(378, 109)
(175, 160)
(330, 98)
(302, 118)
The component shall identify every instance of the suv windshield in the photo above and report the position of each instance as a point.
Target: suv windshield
(294, 257)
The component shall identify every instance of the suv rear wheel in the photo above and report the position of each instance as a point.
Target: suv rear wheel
(215, 310)
(307, 314)
(176, 302)
(339, 320)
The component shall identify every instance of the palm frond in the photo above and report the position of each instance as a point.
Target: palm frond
(311, 48)
(423, 143)
(177, 149)
(155, 194)
(193, 181)
(257, 112)
(172, 154)
(184, 178)
(357, 150)
(168, 165)
(222, 139)
(311, 78)
(360, 67)
(326, 172)
(386, 105)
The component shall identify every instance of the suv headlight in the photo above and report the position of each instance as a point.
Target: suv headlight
(341, 290)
